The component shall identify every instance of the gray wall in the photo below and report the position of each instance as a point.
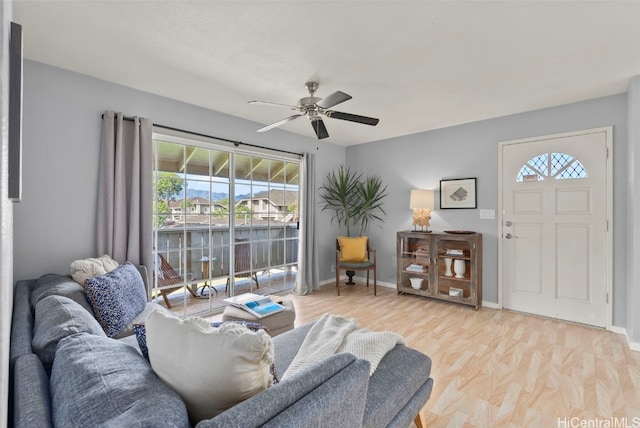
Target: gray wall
(633, 218)
(471, 150)
(55, 222)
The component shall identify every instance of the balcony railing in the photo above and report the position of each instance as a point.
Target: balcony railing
(203, 252)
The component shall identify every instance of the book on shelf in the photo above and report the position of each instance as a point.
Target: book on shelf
(454, 252)
(255, 304)
(415, 268)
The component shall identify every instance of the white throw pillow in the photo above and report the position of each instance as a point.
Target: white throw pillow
(211, 368)
(83, 269)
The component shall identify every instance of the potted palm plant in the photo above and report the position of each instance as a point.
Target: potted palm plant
(356, 201)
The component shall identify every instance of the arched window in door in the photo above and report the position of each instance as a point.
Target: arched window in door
(560, 166)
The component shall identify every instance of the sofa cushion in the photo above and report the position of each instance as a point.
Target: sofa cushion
(83, 269)
(353, 249)
(116, 297)
(60, 285)
(56, 318)
(111, 385)
(131, 341)
(236, 360)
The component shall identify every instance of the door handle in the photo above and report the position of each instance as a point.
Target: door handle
(508, 223)
(508, 236)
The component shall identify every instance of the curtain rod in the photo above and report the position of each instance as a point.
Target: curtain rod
(236, 143)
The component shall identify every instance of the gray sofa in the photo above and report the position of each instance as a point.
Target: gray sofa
(97, 381)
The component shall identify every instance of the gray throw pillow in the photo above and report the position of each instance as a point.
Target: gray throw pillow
(97, 381)
(57, 317)
(59, 285)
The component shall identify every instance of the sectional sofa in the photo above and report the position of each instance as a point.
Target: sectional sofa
(88, 379)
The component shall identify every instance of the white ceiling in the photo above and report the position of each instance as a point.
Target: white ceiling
(416, 65)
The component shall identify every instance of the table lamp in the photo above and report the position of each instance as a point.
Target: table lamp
(421, 202)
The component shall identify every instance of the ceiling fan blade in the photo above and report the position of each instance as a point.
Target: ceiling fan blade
(280, 122)
(352, 117)
(333, 99)
(266, 103)
(319, 128)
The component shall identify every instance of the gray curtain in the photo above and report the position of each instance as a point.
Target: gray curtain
(125, 193)
(308, 273)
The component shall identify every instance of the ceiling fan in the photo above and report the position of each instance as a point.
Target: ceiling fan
(314, 108)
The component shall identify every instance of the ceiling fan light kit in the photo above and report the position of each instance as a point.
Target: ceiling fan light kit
(314, 108)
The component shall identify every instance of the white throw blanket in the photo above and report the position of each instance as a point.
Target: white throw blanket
(333, 334)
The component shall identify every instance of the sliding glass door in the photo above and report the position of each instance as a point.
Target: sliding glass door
(225, 223)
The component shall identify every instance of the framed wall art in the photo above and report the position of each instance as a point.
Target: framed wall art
(458, 193)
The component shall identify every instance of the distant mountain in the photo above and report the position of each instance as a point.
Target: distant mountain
(193, 193)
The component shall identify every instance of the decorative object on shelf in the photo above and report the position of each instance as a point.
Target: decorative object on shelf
(455, 292)
(416, 283)
(421, 202)
(458, 193)
(460, 232)
(459, 267)
(447, 266)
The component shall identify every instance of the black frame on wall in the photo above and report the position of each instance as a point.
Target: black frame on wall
(459, 193)
(15, 112)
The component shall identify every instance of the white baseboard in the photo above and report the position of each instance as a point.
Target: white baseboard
(634, 346)
(491, 305)
(388, 284)
(327, 281)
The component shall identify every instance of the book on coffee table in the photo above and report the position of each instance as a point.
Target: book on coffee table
(255, 304)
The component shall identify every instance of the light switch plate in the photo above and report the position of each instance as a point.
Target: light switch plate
(488, 214)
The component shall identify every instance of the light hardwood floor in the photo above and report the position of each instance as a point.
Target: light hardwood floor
(498, 368)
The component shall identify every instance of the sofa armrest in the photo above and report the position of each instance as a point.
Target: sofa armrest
(22, 321)
(31, 398)
(403, 373)
(331, 393)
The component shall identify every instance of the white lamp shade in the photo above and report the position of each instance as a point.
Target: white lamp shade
(421, 199)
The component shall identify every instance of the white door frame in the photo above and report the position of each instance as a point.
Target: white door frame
(609, 210)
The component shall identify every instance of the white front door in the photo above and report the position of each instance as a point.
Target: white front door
(555, 243)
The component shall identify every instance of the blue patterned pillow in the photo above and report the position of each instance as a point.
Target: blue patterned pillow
(116, 297)
(141, 335)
